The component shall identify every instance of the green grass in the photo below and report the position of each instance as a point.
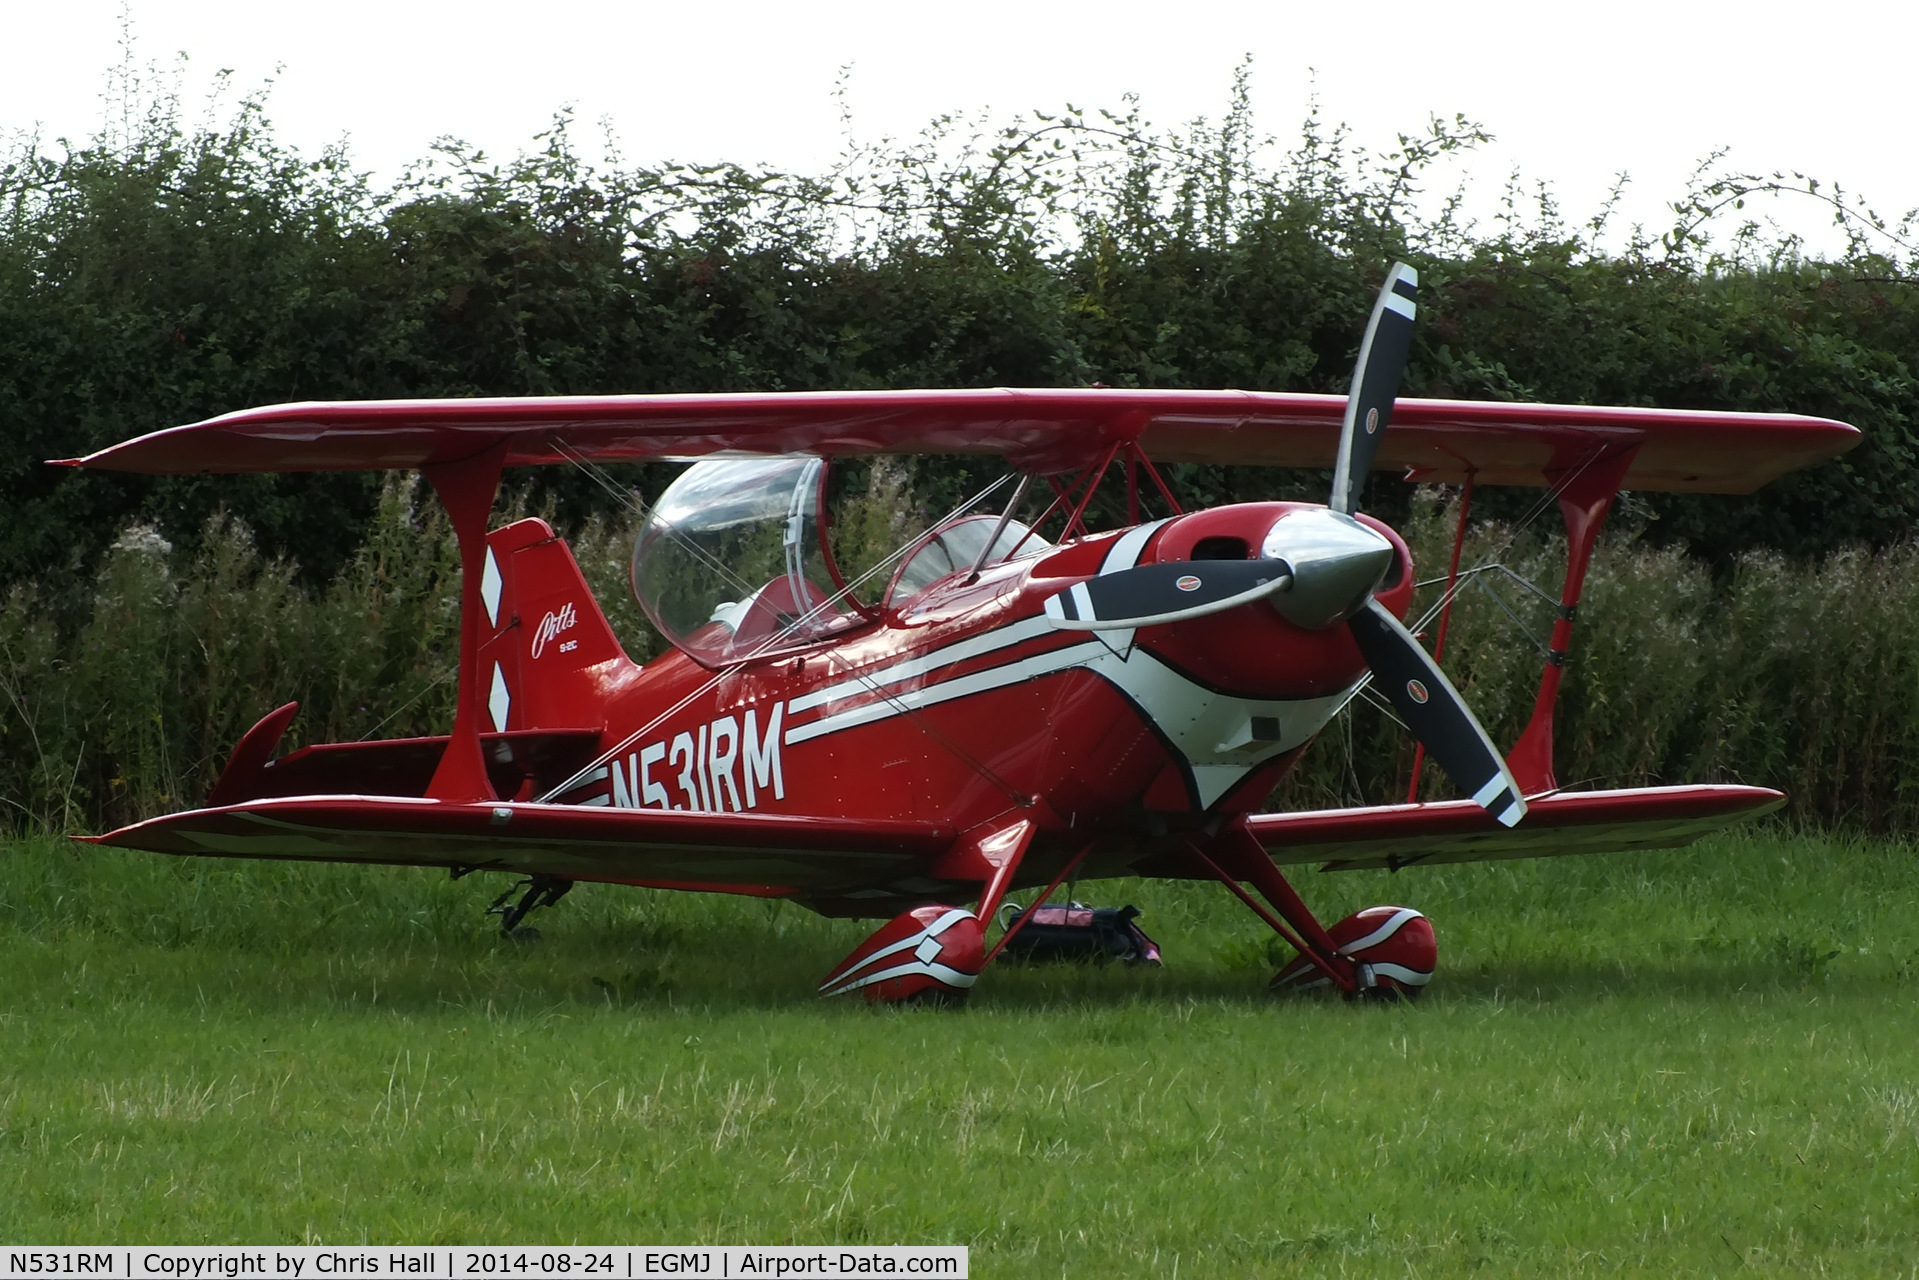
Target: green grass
(1689, 1063)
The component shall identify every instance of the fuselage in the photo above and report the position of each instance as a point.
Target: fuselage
(964, 703)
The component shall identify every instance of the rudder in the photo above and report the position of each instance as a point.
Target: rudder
(549, 653)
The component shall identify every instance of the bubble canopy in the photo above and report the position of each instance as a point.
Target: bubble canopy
(731, 563)
(734, 563)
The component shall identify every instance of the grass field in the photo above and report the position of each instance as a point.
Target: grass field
(1702, 1062)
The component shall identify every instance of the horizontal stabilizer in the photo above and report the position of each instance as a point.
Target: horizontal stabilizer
(1407, 835)
(403, 766)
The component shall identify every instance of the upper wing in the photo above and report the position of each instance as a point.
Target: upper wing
(764, 854)
(1044, 430)
(1460, 831)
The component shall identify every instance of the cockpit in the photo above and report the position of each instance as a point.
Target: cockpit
(735, 560)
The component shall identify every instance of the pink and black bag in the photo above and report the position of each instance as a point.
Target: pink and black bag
(1079, 932)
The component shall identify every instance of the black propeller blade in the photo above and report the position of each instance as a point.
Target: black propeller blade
(1369, 405)
(1149, 594)
(1435, 712)
(1418, 689)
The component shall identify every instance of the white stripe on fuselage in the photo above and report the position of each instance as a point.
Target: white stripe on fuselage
(1198, 722)
(914, 668)
(894, 704)
(1123, 554)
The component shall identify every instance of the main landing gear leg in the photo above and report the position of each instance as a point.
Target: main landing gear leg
(1379, 953)
(540, 891)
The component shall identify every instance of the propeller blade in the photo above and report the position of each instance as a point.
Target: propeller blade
(1150, 594)
(1436, 713)
(1369, 404)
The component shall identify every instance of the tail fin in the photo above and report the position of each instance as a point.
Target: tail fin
(549, 652)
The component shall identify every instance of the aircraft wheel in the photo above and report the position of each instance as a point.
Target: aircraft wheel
(929, 955)
(1393, 948)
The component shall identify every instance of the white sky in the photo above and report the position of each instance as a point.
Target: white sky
(1575, 94)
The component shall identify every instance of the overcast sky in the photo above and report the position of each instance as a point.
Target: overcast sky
(1575, 94)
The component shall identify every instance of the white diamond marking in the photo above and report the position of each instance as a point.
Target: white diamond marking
(499, 701)
(927, 949)
(490, 589)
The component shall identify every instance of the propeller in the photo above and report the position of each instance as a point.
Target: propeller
(1369, 404)
(1319, 567)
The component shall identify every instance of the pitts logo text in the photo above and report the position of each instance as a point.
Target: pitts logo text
(551, 626)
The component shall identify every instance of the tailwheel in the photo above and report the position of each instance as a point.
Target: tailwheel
(930, 955)
(535, 892)
(1392, 950)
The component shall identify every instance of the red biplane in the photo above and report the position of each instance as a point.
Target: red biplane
(1012, 710)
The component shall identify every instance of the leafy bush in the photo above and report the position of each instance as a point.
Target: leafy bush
(182, 650)
(163, 273)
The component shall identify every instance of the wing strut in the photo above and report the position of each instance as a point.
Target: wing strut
(467, 489)
(1584, 499)
(1445, 618)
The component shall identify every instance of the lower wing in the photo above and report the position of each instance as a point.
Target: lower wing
(764, 854)
(775, 855)
(1407, 835)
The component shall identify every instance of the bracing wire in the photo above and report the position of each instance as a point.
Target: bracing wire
(1487, 565)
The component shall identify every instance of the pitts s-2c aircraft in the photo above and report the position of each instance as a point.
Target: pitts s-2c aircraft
(1012, 711)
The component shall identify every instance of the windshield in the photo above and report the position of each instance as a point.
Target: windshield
(955, 549)
(729, 563)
